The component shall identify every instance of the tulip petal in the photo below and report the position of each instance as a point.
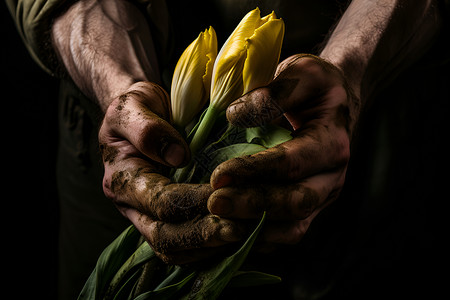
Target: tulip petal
(254, 47)
(228, 84)
(192, 77)
(227, 81)
(211, 40)
(263, 53)
(236, 41)
(271, 16)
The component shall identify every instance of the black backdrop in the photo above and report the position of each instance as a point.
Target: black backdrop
(30, 207)
(28, 140)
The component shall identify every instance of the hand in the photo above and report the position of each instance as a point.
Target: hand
(138, 145)
(294, 181)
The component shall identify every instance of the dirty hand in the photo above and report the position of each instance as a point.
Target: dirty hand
(138, 144)
(298, 178)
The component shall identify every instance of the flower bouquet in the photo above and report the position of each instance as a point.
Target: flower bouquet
(128, 268)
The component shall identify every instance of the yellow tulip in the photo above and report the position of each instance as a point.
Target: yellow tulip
(191, 80)
(248, 58)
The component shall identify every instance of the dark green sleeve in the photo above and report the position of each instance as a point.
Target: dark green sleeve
(33, 20)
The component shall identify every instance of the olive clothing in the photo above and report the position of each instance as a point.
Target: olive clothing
(377, 240)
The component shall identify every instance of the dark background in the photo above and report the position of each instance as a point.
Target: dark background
(28, 140)
(401, 236)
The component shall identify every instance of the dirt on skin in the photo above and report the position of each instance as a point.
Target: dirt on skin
(259, 167)
(108, 153)
(176, 214)
(154, 195)
(169, 237)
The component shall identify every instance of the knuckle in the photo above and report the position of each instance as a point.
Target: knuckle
(303, 201)
(153, 96)
(336, 143)
(116, 114)
(342, 148)
(108, 152)
(106, 185)
(298, 231)
(102, 133)
(210, 227)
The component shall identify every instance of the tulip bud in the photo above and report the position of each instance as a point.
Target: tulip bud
(248, 58)
(191, 80)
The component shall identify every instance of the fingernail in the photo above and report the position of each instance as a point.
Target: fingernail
(173, 154)
(221, 206)
(219, 180)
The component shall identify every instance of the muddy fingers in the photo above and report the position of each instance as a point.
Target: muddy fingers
(296, 179)
(138, 144)
(187, 241)
(295, 201)
(316, 149)
(134, 182)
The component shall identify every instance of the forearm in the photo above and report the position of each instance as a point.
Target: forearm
(105, 47)
(375, 40)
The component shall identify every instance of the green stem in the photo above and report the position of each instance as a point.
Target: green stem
(198, 140)
(203, 130)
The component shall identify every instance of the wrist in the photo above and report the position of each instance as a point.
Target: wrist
(351, 64)
(103, 52)
(376, 40)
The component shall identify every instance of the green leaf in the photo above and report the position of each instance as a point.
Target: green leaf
(268, 136)
(143, 254)
(109, 262)
(150, 275)
(126, 288)
(210, 283)
(177, 273)
(220, 155)
(166, 292)
(185, 174)
(252, 278)
(237, 142)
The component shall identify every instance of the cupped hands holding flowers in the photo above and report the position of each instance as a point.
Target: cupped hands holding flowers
(246, 61)
(288, 175)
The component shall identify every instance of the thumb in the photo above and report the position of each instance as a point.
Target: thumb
(299, 85)
(137, 117)
(255, 108)
(262, 105)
